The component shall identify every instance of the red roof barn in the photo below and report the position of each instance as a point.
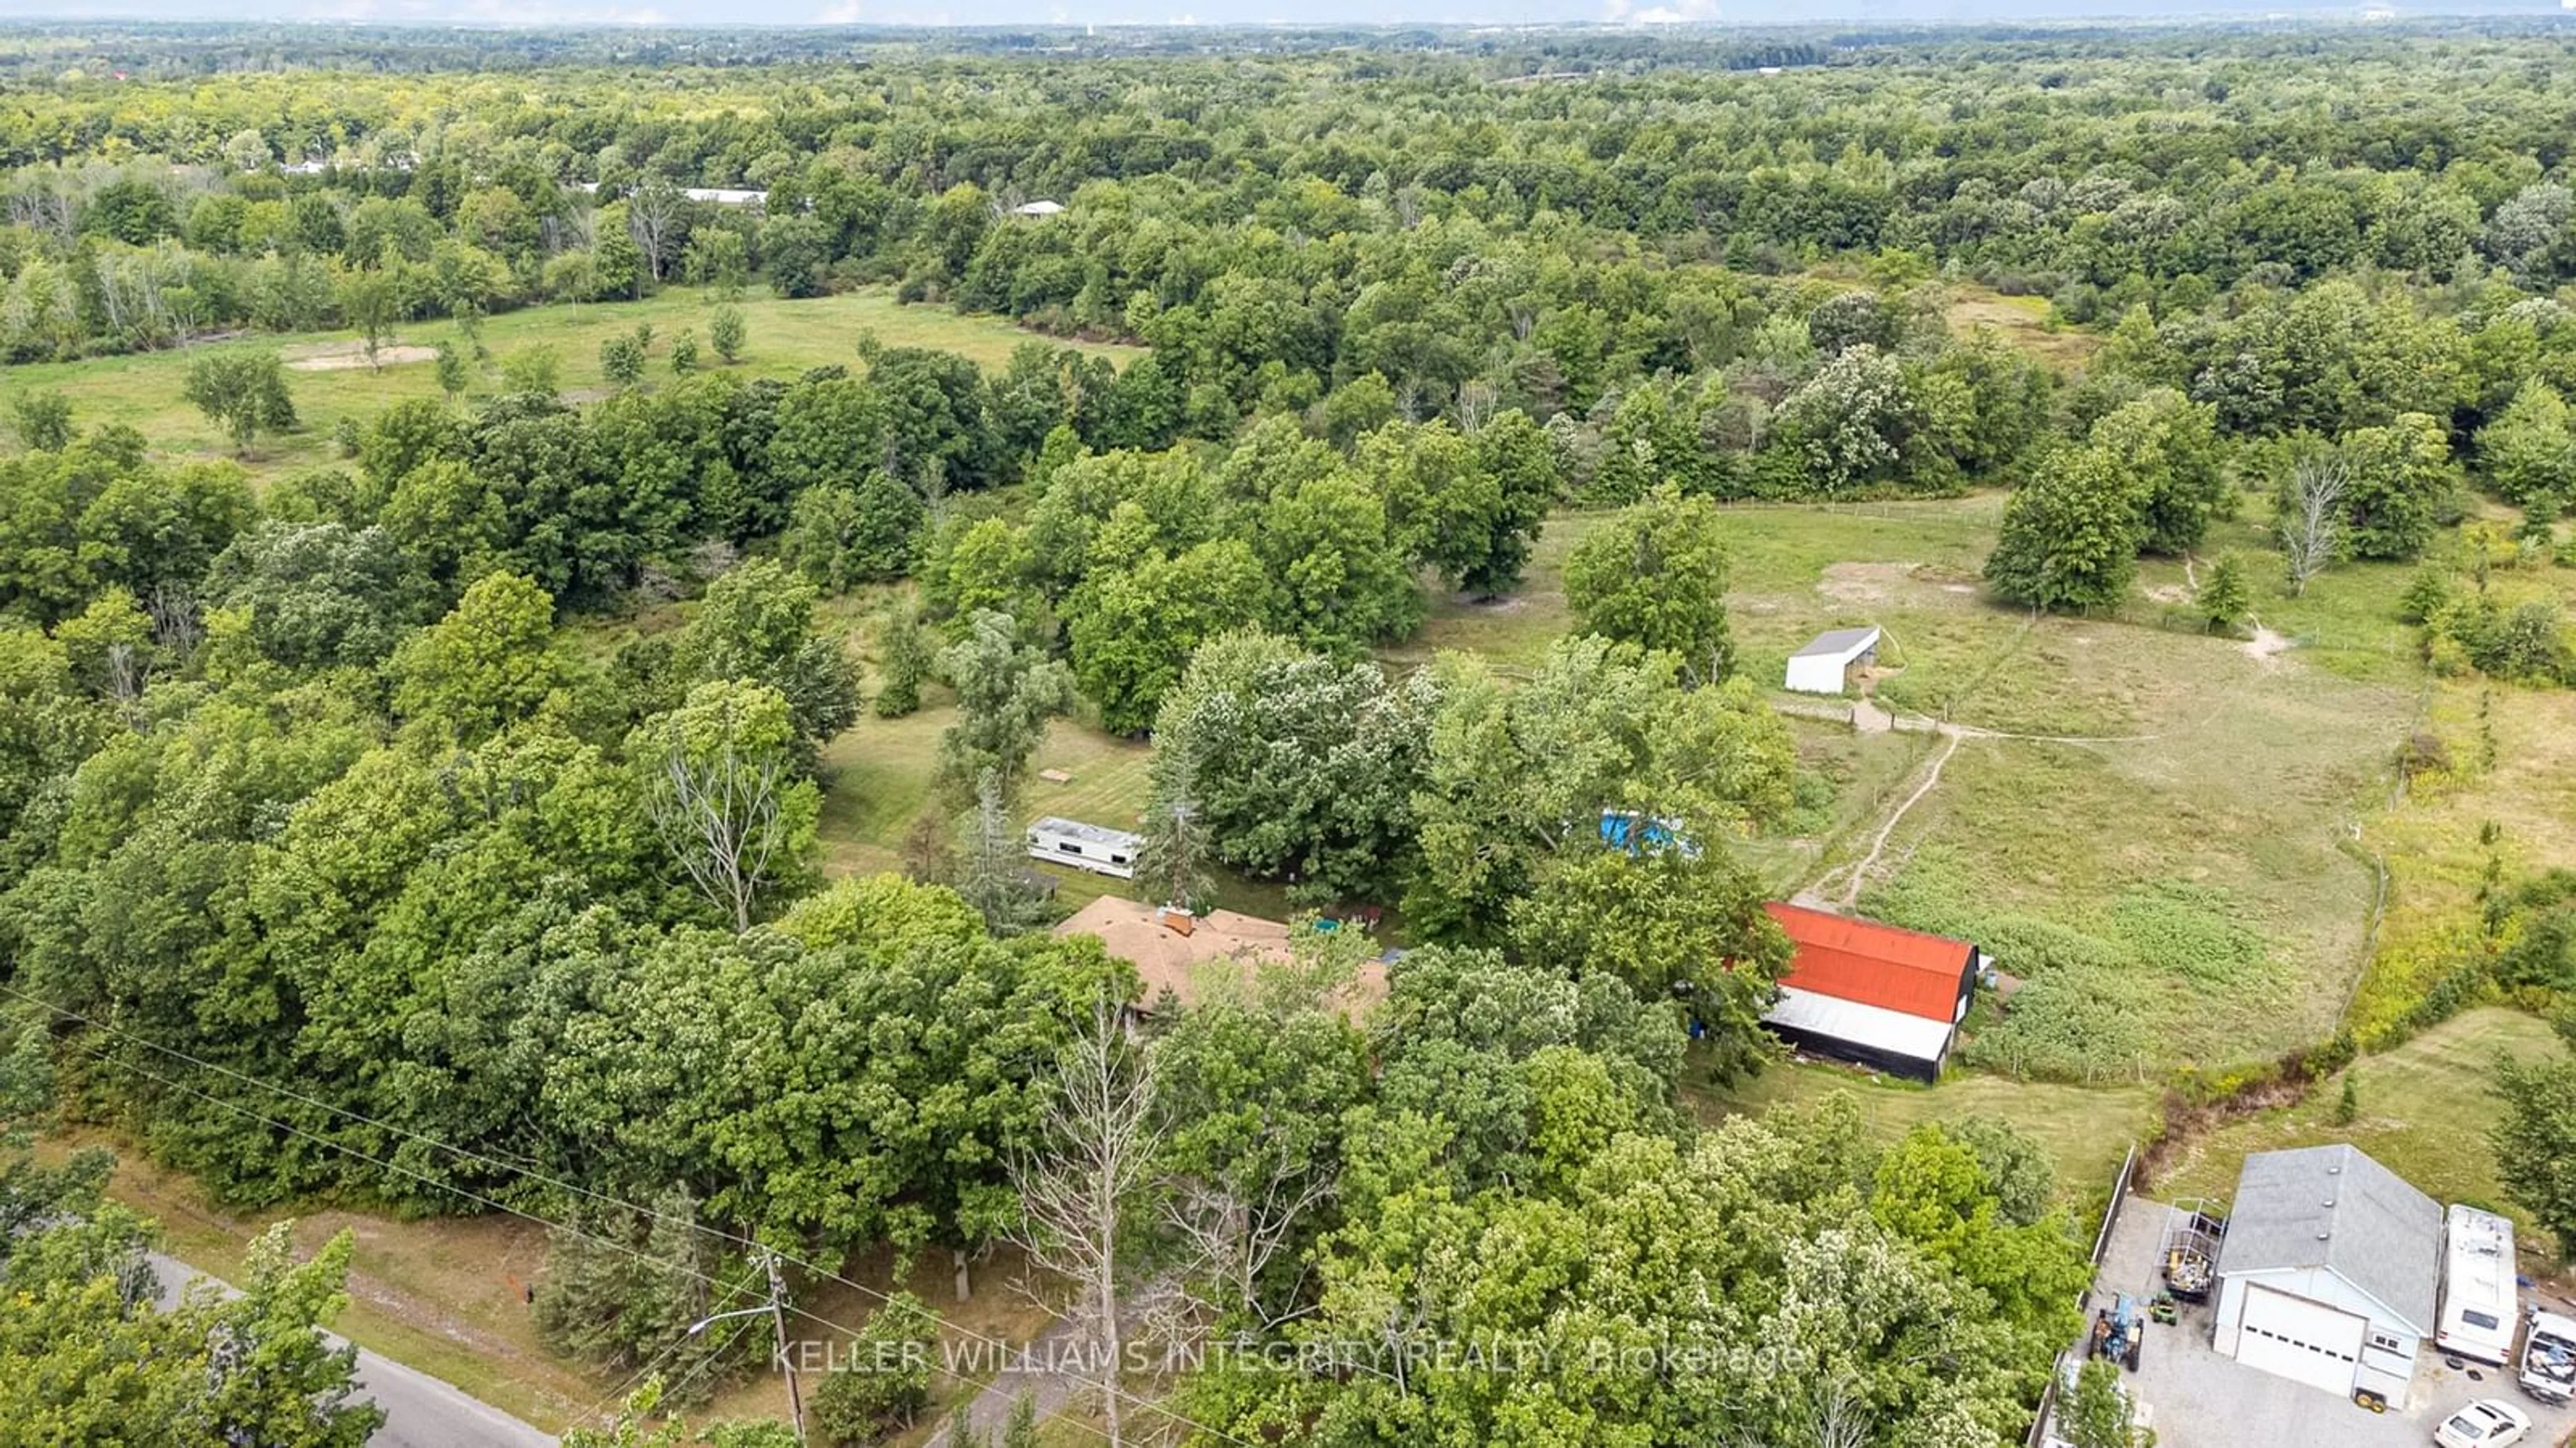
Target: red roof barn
(1870, 993)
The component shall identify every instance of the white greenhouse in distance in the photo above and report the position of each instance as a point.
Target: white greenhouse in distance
(1824, 665)
(1101, 850)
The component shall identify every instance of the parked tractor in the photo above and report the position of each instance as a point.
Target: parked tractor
(2119, 1331)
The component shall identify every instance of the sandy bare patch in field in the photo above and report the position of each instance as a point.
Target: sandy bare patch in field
(1899, 585)
(2266, 647)
(344, 356)
(2022, 321)
(1862, 582)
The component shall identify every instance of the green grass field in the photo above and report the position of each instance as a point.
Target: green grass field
(2085, 1129)
(2424, 1112)
(879, 777)
(783, 339)
(2202, 765)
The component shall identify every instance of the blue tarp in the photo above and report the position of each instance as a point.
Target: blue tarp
(1628, 830)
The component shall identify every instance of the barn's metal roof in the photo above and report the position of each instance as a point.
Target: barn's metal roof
(1873, 964)
(1860, 1024)
(2333, 1207)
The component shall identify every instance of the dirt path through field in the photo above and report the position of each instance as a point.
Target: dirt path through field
(1858, 873)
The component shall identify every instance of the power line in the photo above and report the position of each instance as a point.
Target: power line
(633, 1379)
(980, 1339)
(617, 1395)
(595, 1239)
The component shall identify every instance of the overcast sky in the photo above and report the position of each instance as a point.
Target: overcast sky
(1207, 12)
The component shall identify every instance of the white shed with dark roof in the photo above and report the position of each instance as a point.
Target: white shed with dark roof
(2329, 1272)
(1824, 665)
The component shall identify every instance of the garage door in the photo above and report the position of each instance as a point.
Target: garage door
(2304, 1341)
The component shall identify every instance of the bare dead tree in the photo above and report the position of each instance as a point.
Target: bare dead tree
(1234, 1229)
(40, 205)
(653, 216)
(1081, 1191)
(176, 628)
(2312, 518)
(126, 677)
(719, 816)
(1837, 1416)
(1841, 1418)
(1478, 400)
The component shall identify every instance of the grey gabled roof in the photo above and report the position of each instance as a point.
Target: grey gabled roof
(2333, 1207)
(1838, 641)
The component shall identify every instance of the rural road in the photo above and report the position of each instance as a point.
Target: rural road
(420, 1411)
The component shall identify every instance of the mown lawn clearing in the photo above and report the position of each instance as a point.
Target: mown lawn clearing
(2424, 1112)
(2085, 1129)
(783, 339)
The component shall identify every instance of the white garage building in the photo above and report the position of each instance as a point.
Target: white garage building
(2329, 1271)
(1824, 665)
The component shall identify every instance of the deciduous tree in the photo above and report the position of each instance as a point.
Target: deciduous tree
(725, 332)
(43, 420)
(756, 623)
(1007, 689)
(1655, 576)
(1305, 768)
(244, 393)
(2070, 536)
(489, 663)
(1670, 921)
(720, 778)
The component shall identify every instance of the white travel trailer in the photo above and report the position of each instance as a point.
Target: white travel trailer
(1085, 847)
(2480, 1302)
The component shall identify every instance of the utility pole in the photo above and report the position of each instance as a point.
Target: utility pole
(778, 1322)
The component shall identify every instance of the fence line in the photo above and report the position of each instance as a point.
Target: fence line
(2101, 1244)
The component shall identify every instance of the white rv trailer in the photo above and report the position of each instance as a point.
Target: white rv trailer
(2481, 1306)
(1085, 847)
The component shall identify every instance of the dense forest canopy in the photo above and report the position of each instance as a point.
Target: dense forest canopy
(442, 829)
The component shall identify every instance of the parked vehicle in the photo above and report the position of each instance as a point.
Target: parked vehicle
(2480, 1298)
(2549, 1358)
(2486, 1423)
(2190, 1250)
(2118, 1332)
